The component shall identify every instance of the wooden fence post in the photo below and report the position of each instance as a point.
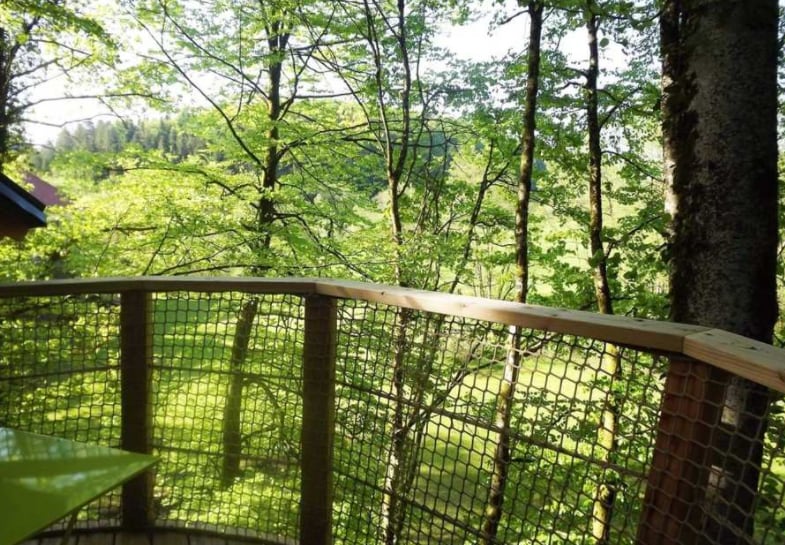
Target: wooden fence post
(316, 490)
(136, 347)
(680, 473)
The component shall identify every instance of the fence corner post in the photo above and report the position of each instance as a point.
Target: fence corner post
(679, 473)
(136, 350)
(319, 352)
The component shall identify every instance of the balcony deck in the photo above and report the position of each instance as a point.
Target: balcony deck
(320, 410)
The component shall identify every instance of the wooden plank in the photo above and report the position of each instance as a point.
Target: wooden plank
(753, 360)
(296, 286)
(136, 349)
(204, 539)
(202, 533)
(107, 538)
(162, 537)
(623, 330)
(762, 363)
(93, 538)
(195, 534)
(135, 538)
(319, 352)
(617, 329)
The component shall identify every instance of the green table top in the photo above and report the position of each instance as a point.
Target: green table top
(42, 479)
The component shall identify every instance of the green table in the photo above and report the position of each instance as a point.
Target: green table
(43, 479)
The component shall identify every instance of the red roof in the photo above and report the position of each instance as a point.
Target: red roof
(43, 191)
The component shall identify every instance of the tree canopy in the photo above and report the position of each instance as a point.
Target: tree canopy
(346, 138)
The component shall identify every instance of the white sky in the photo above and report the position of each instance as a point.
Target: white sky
(471, 42)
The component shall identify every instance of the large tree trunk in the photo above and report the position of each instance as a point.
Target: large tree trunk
(610, 362)
(505, 397)
(720, 137)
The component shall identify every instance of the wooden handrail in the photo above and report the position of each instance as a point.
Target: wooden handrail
(295, 286)
(747, 358)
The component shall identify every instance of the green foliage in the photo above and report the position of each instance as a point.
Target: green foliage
(99, 144)
(144, 222)
(41, 41)
(180, 192)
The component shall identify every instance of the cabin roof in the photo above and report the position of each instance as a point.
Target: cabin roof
(19, 207)
(44, 191)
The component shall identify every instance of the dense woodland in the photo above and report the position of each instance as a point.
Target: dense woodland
(343, 139)
(364, 151)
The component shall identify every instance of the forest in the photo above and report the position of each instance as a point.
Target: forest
(347, 139)
(364, 151)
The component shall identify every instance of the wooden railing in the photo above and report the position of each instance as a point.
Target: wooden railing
(752, 360)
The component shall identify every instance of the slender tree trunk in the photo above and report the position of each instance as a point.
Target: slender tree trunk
(6, 61)
(393, 511)
(265, 215)
(392, 508)
(506, 395)
(610, 363)
(231, 437)
(720, 148)
(598, 259)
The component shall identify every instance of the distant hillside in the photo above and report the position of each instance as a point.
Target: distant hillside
(170, 136)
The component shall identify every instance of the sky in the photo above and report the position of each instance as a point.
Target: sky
(475, 41)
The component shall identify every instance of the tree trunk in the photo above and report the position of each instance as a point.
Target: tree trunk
(265, 216)
(7, 50)
(392, 511)
(505, 397)
(610, 362)
(231, 437)
(598, 259)
(720, 150)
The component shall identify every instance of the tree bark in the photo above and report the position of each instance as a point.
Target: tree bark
(720, 149)
(610, 361)
(232, 428)
(265, 216)
(9, 113)
(395, 481)
(598, 259)
(505, 397)
(6, 60)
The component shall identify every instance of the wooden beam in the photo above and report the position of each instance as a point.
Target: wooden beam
(747, 358)
(318, 420)
(753, 360)
(136, 347)
(297, 286)
(622, 330)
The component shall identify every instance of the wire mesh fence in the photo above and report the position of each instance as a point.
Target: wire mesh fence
(438, 419)
(59, 368)
(447, 429)
(227, 411)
